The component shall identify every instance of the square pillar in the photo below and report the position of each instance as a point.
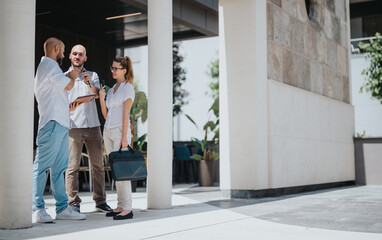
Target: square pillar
(159, 180)
(243, 95)
(17, 46)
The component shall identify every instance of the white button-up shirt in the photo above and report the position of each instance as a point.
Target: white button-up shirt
(114, 104)
(51, 96)
(85, 115)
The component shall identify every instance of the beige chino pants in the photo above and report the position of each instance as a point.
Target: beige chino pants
(112, 138)
(92, 139)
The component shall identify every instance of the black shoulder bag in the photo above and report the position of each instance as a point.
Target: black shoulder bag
(127, 165)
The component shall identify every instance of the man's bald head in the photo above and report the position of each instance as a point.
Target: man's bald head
(51, 43)
(54, 48)
(79, 48)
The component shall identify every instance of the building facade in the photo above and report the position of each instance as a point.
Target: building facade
(287, 121)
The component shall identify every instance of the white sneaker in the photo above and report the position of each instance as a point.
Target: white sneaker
(70, 214)
(42, 216)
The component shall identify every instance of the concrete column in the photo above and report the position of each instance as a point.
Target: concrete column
(243, 95)
(347, 9)
(159, 181)
(17, 45)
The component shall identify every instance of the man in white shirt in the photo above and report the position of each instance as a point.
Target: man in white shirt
(85, 129)
(51, 86)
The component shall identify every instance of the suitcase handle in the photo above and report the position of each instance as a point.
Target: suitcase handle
(128, 147)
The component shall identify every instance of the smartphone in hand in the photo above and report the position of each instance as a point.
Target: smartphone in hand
(102, 82)
(103, 85)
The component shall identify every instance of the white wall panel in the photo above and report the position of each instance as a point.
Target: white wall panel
(310, 138)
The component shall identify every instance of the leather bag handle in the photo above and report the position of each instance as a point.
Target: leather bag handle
(128, 147)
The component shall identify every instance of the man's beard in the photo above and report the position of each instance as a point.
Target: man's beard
(79, 65)
(59, 60)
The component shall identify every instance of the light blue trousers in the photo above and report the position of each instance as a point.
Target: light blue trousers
(52, 153)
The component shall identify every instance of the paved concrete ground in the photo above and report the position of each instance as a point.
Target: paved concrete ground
(202, 213)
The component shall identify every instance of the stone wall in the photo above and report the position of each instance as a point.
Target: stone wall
(310, 53)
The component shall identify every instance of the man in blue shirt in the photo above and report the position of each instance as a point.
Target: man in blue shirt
(51, 86)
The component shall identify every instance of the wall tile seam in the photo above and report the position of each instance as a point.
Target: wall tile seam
(326, 38)
(291, 16)
(306, 57)
(272, 3)
(329, 97)
(309, 59)
(287, 48)
(271, 40)
(306, 16)
(336, 16)
(333, 38)
(330, 11)
(337, 75)
(309, 92)
(336, 69)
(309, 20)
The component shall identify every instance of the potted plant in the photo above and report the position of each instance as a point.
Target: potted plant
(209, 148)
(208, 153)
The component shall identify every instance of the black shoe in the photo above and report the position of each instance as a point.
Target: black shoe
(112, 214)
(103, 208)
(122, 217)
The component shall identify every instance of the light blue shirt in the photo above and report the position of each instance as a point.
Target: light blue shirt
(51, 96)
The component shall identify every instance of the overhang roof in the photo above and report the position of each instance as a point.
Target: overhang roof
(192, 19)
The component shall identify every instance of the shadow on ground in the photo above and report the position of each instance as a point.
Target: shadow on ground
(347, 208)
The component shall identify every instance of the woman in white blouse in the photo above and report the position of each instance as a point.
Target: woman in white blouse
(116, 109)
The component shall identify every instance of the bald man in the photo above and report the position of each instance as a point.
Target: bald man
(51, 86)
(85, 129)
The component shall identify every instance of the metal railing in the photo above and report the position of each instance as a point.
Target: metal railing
(355, 41)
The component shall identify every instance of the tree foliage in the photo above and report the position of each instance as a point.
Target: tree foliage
(179, 77)
(373, 74)
(213, 72)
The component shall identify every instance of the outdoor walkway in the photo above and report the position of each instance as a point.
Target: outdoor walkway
(351, 213)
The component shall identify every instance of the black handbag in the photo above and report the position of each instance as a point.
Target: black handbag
(127, 165)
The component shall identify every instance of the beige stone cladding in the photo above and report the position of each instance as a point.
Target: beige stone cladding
(310, 53)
